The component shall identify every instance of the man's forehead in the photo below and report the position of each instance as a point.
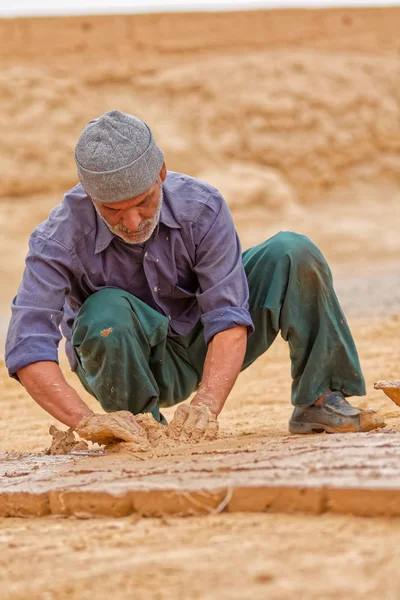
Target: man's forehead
(127, 203)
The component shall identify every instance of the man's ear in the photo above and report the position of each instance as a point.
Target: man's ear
(163, 172)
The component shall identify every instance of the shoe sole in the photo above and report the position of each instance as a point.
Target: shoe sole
(309, 428)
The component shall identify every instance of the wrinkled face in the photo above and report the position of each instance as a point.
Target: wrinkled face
(133, 220)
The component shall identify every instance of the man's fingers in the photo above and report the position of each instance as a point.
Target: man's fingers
(200, 427)
(128, 417)
(194, 414)
(124, 427)
(193, 422)
(211, 432)
(180, 416)
(125, 432)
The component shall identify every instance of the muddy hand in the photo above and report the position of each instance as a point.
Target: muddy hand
(193, 422)
(110, 428)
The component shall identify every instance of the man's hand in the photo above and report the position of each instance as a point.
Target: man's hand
(194, 422)
(198, 420)
(119, 426)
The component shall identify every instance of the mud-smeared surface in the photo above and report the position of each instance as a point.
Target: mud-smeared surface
(357, 474)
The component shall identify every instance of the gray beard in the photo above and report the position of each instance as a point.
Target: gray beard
(142, 233)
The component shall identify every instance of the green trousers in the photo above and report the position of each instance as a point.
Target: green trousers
(128, 362)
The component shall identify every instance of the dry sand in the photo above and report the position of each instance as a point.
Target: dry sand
(295, 115)
(228, 556)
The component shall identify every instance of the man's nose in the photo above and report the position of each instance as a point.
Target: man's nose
(131, 219)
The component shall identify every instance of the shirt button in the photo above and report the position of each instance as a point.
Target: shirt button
(169, 317)
(145, 254)
(167, 238)
(156, 288)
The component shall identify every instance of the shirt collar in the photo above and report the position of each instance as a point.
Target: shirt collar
(167, 216)
(104, 236)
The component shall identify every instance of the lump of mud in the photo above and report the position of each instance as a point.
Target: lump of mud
(156, 437)
(64, 442)
(391, 389)
(157, 442)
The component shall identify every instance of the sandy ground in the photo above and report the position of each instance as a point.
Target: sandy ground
(295, 115)
(225, 556)
(239, 556)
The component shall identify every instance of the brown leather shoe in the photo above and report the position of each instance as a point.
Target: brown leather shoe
(335, 415)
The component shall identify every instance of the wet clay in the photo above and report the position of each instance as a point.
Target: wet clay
(391, 389)
(160, 440)
(64, 442)
(156, 443)
(153, 438)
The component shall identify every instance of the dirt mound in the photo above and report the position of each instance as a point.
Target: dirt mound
(64, 442)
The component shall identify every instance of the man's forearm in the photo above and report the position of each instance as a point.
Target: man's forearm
(45, 382)
(221, 368)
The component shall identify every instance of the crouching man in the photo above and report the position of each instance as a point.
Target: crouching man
(143, 270)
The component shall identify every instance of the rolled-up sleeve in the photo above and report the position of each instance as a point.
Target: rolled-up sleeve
(224, 294)
(37, 310)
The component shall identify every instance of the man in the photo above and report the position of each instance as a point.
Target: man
(143, 270)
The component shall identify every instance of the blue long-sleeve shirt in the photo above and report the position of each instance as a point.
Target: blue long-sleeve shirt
(189, 269)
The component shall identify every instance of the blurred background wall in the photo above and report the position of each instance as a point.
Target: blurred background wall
(307, 99)
(293, 114)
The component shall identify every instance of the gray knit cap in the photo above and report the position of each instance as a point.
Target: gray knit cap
(117, 157)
